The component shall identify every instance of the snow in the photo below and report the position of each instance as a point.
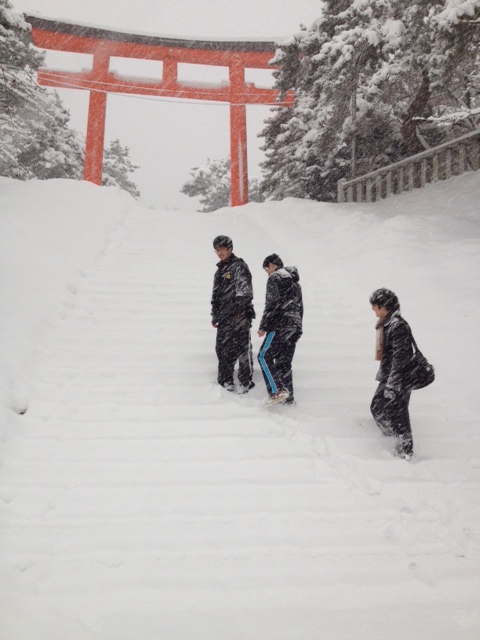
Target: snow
(153, 34)
(455, 10)
(393, 31)
(139, 500)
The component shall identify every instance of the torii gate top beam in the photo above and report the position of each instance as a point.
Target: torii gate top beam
(104, 44)
(119, 39)
(64, 36)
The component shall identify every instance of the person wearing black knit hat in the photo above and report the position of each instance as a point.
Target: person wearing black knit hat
(394, 350)
(232, 315)
(281, 328)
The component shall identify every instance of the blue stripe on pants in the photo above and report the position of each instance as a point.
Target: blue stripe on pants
(263, 364)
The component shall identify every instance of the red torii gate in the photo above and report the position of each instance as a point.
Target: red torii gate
(103, 44)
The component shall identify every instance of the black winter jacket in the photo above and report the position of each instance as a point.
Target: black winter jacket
(232, 293)
(283, 302)
(397, 353)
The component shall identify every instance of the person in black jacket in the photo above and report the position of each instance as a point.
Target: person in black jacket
(281, 326)
(232, 315)
(394, 349)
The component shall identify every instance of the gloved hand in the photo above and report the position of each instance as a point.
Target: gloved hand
(389, 393)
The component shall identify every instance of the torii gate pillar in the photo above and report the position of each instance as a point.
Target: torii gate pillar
(100, 80)
(238, 139)
(97, 112)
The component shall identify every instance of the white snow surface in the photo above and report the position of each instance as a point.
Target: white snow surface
(154, 34)
(139, 500)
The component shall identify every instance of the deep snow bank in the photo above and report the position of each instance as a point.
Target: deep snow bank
(50, 232)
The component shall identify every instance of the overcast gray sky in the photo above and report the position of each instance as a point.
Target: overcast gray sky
(169, 137)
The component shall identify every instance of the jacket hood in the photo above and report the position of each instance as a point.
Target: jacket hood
(288, 272)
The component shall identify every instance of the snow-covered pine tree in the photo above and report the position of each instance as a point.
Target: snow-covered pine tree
(54, 150)
(454, 65)
(35, 140)
(211, 184)
(283, 171)
(368, 75)
(332, 56)
(117, 166)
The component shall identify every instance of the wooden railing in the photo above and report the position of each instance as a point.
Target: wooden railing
(439, 163)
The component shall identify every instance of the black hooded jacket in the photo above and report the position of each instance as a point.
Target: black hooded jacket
(397, 353)
(232, 293)
(283, 303)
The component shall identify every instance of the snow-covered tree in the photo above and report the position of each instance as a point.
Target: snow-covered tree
(211, 184)
(455, 65)
(35, 140)
(117, 166)
(370, 78)
(54, 150)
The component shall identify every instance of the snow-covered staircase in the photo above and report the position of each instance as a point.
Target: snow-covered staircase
(142, 501)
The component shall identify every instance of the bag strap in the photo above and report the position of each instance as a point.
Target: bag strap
(417, 350)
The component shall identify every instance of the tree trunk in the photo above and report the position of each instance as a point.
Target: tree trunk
(416, 109)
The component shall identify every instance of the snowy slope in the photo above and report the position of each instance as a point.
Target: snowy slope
(139, 500)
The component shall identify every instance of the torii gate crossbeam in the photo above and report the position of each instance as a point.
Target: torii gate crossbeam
(99, 81)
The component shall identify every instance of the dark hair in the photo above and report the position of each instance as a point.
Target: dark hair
(273, 259)
(223, 241)
(385, 298)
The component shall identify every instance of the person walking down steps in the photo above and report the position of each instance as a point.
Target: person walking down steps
(232, 315)
(281, 327)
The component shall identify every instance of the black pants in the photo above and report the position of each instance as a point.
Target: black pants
(234, 343)
(392, 417)
(275, 358)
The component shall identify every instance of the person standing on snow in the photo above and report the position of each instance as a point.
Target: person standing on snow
(232, 315)
(281, 326)
(394, 350)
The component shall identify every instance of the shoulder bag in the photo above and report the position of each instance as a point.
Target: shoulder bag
(419, 373)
